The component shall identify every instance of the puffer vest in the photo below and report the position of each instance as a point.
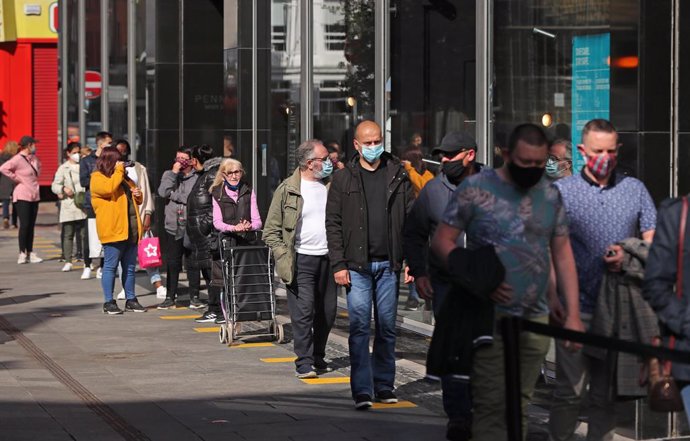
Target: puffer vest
(233, 212)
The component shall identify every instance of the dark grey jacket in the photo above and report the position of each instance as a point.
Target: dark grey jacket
(660, 279)
(426, 214)
(175, 189)
(346, 215)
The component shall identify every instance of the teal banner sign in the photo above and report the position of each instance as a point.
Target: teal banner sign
(591, 85)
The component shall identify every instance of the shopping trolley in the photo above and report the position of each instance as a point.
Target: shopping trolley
(247, 294)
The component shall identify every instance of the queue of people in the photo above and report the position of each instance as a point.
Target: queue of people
(559, 244)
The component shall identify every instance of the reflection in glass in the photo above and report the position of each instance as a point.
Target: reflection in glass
(285, 83)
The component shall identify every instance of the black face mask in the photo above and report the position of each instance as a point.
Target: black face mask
(525, 177)
(454, 170)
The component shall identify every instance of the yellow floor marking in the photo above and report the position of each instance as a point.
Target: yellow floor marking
(398, 405)
(327, 380)
(178, 317)
(252, 345)
(278, 359)
(343, 314)
(212, 329)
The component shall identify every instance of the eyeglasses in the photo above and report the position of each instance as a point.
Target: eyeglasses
(233, 172)
(557, 159)
(320, 159)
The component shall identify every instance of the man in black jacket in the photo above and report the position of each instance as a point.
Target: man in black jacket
(457, 151)
(201, 238)
(368, 202)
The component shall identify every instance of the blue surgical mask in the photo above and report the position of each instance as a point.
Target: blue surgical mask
(326, 169)
(372, 153)
(233, 187)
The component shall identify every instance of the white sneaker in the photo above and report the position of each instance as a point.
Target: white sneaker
(67, 267)
(161, 292)
(121, 295)
(86, 274)
(22, 259)
(99, 273)
(33, 258)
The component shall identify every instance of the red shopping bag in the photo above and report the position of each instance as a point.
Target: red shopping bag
(150, 252)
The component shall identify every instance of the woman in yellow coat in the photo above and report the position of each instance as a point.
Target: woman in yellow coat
(115, 199)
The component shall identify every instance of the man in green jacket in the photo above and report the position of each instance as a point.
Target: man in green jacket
(295, 231)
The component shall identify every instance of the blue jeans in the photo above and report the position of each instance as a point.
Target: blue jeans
(378, 285)
(457, 393)
(114, 253)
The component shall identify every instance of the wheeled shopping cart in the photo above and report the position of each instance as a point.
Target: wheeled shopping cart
(247, 287)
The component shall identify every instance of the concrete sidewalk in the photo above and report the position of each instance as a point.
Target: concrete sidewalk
(69, 372)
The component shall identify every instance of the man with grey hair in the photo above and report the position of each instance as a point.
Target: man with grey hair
(295, 231)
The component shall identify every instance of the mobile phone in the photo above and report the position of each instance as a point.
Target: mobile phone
(610, 253)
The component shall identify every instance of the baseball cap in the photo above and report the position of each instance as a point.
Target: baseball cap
(455, 141)
(26, 140)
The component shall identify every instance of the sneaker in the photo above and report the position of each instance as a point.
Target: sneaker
(412, 304)
(61, 258)
(33, 258)
(99, 273)
(86, 274)
(207, 317)
(161, 292)
(167, 304)
(111, 308)
(22, 259)
(121, 295)
(67, 267)
(197, 303)
(386, 397)
(305, 372)
(134, 306)
(363, 402)
(6, 223)
(221, 319)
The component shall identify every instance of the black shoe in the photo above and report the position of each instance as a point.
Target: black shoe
(111, 308)
(134, 306)
(386, 397)
(459, 430)
(412, 304)
(321, 367)
(197, 303)
(220, 319)
(363, 402)
(61, 259)
(167, 304)
(208, 317)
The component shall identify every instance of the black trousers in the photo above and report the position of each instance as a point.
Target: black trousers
(216, 286)
(175, 251)
(27, 213)
(312, 303)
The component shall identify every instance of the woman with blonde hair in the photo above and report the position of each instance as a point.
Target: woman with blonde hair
(7, 186)
(235, 211)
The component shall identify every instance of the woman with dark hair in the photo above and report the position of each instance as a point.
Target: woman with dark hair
(175, 187)
(72, 218)
(416, 169)
(115, 199)
(23, 169)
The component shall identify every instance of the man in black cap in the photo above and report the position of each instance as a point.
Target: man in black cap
(458, 153)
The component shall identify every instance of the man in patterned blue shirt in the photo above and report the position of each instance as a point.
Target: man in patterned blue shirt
(517, 211)
(603, 208)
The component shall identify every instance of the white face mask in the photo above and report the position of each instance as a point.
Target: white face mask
(75, 157)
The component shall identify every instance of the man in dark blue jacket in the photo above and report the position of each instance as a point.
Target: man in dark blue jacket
(458, 160)
(87, 165)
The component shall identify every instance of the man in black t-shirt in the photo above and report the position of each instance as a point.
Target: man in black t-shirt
(368, 202)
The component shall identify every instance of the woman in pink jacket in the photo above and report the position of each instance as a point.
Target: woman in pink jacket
(23, 169)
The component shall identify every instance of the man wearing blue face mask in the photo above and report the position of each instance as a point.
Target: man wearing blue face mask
(368, 202)
(295, 232)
